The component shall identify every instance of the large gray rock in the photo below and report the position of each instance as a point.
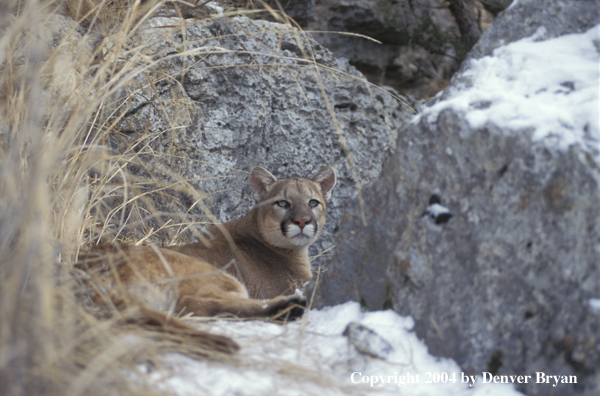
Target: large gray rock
(226, 95)
(510, 284)
(301, 11)
(419, 40)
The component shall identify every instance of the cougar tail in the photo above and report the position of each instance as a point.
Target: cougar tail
(178, 336)
(170, 334)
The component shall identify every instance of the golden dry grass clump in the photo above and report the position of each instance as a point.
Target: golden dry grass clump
(60, 191)
(63, 68)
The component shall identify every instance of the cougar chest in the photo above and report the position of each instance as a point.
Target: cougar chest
(267, 273)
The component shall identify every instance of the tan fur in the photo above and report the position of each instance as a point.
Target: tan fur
(251, 267)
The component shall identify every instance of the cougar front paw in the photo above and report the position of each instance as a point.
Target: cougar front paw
(289, 308)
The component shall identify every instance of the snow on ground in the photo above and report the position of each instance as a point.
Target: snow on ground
(317, 359)
(550, 87)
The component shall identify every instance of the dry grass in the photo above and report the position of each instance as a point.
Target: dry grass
(62, 189)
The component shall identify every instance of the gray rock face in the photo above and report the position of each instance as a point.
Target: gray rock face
(301, 11)
(510, 283)
(238, 93)
(416, 39)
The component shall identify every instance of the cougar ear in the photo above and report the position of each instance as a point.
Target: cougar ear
(326, 177)
(260, 182)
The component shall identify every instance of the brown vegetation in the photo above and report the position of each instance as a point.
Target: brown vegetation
(62, 190)
(58, 187)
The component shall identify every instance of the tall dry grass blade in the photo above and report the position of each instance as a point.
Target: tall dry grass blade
(53, 177)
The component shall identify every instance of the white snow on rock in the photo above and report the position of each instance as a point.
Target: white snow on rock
(213, 5)
(548, 86)
(434, 210)
(316, 359)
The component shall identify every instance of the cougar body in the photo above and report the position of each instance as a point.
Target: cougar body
(250, 267)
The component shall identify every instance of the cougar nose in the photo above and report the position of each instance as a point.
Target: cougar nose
(301, 222)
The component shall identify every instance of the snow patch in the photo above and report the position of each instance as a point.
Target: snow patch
(550, 88)
(436, 209)
(315, 358)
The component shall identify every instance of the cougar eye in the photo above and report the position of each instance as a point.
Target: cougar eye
(283, 204)
(313, 202)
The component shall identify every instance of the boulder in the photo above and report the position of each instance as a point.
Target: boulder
(301, 11)
(484, 225)
(419, 42)
(223, 95)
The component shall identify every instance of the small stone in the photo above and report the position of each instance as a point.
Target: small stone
(367, 342)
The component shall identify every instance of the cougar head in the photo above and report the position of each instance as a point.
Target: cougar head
(291, 212)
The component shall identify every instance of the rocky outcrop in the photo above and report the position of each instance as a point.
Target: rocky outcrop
(301, 11)
(420, 44)
(487, 236)
(221, 96)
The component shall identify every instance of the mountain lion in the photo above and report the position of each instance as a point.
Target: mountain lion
(251, 266)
